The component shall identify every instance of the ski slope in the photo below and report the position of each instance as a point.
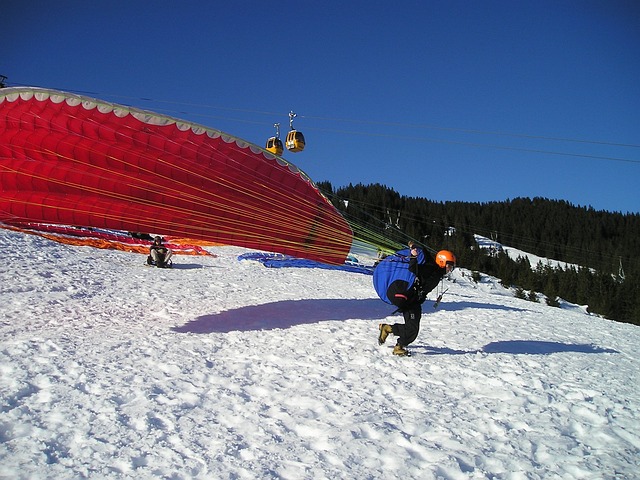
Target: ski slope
(227, 369)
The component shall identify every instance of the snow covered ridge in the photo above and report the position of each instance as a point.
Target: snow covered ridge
(220, 368)
(514, 254)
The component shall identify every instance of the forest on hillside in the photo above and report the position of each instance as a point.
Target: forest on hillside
(601, 245)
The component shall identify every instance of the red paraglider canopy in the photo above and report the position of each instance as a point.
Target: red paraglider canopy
(72, 160)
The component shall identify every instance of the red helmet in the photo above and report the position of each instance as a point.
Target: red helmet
(443, 257)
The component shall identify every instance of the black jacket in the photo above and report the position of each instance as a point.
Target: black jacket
(428, 274)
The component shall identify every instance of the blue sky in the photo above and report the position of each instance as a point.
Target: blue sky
(449, 100)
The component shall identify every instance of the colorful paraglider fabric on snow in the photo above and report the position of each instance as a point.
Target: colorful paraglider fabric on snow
(107, 239)
(394, 268)
(71, 160)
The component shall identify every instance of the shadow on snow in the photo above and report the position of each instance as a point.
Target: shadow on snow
(286, 314)
(536, 347)
(517, 347)
(453, 306)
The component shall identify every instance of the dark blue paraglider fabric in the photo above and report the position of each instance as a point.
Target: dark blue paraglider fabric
(271, 260)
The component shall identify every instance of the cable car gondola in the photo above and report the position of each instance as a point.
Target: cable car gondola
(295, 139)
(274, 144)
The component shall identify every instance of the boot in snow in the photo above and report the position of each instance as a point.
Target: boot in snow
(385, 330)
(400, 351)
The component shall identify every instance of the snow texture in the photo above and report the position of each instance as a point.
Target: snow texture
(219, 368)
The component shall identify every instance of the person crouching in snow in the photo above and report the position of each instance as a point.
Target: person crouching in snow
(159, 254)
(409, 298)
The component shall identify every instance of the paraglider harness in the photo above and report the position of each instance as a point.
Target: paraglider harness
(404, 280)
(421, 295)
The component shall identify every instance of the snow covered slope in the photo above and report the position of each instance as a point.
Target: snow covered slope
(515, 254)
(226, 369)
